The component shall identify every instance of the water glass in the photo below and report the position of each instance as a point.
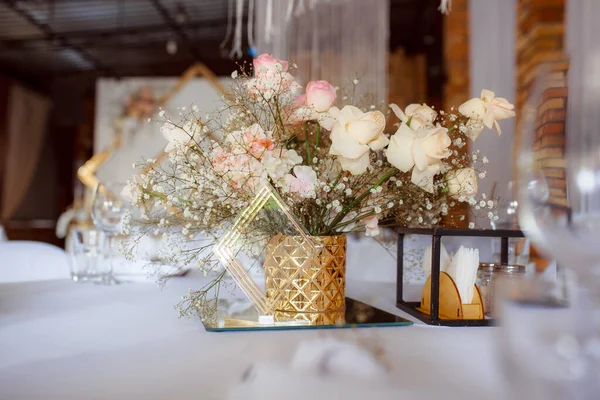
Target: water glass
(548, 342)
(88, 256)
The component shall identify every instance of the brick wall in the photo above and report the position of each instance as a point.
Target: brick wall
(456, 54)
(540, 41)
(456, 64)
(549, 143)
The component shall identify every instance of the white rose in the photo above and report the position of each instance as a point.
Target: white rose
(179, 136)
(277, 163)
(488, 109)
(462, 182)
(421, 150)
(416, 116)
(132, 192)
(354, 134)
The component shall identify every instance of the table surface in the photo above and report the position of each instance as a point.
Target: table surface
(62, 340)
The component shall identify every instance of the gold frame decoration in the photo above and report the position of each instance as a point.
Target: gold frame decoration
(87, 172)
(230, 244)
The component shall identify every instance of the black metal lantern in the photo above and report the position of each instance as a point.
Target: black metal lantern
(433, 318)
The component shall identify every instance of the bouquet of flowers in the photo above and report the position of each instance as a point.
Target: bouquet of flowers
(334, 166)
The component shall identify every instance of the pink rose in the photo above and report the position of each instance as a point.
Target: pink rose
(271, 78)
(304, 183)
(320, 95)
(266, 63)
(256, 141)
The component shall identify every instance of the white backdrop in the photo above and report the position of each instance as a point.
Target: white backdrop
(146, 142)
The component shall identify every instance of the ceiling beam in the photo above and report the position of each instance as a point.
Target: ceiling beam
(178, 29)
(63, 40)
(93, 35)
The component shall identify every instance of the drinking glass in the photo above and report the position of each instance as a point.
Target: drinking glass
(559, 171)
(108, 212)
(558, 168)
(547, 351)
(87, 256)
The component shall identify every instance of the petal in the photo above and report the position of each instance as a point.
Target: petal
(379, 143)
(472, 108)
(363, 131)
(488, 119)
(412, 109)
(487, 95)
(334, 112)
(399, 113)
(405, 130)
(346, 145)
(355, 166)
(399, 152)
(352, 111)
(497, 126)
(419, 155)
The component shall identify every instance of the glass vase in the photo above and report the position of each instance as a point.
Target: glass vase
(315, 295)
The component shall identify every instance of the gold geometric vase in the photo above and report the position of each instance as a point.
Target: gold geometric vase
(314, 294)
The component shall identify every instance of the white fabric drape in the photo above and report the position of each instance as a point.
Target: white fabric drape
(492, 26)
(583, 119)
(27, 120)
(335, 40)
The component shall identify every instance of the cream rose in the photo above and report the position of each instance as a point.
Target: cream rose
(486, 111)
(416, 116)
(354, 134)
(420, 150)
(462, 182)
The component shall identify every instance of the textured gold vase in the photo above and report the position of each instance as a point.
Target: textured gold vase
(315, 294)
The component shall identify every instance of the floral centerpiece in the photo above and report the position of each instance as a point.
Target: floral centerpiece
(332, 164)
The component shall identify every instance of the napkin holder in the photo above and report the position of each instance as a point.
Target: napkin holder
(436, 234)
(450, 303)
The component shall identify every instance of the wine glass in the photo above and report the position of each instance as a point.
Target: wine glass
(558, 168)
(108, 212)
(559, 171)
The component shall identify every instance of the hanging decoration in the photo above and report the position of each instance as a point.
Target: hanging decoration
(338, 40)
(445, 7)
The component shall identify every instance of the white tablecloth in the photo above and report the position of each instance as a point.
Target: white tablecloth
(61, 340)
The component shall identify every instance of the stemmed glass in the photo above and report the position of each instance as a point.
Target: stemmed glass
(559, 175)
(558, 168)
(108, 212)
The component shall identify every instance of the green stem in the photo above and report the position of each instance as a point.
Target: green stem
(357, 219)
(360, 198)
(318, 138)
(337, 180)
(307, 143)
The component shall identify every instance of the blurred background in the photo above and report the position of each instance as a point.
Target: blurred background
(80, 78)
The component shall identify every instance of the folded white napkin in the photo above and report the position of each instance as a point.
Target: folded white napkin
(463, 270)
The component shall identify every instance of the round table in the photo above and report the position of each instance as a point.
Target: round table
(62, 340)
